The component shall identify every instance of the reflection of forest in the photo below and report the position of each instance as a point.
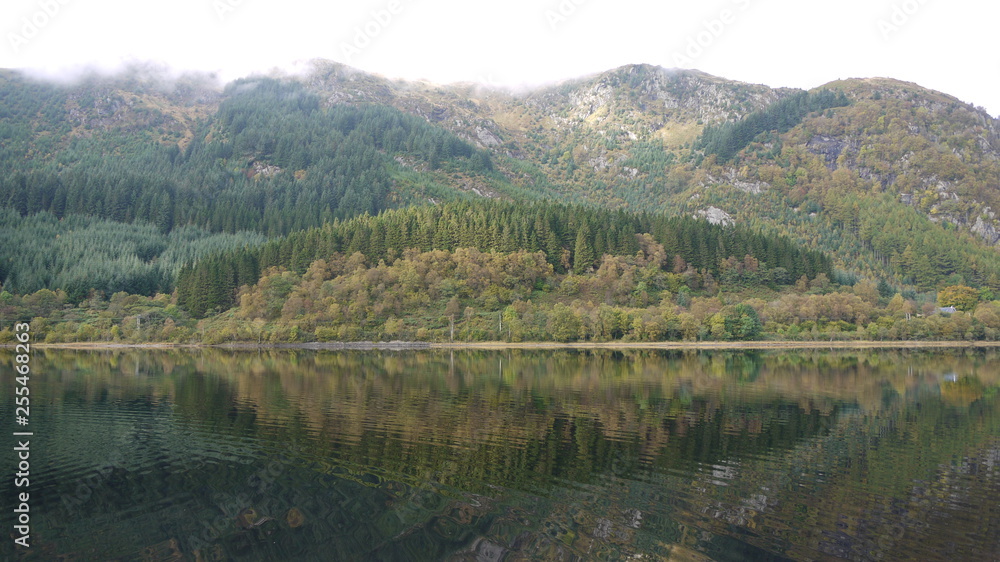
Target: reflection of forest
(805, 452)
(349, 393)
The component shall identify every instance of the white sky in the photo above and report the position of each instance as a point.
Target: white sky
(948, 46)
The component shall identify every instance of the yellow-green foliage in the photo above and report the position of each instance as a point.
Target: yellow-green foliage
(961, 297)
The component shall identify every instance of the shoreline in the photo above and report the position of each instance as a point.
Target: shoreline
(416, 346)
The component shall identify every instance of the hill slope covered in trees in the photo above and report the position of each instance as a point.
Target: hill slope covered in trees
(134, 184)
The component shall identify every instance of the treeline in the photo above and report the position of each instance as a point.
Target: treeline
(272, 159)
(571, 239)
(78, 254)
(468, 295)
(729, 138)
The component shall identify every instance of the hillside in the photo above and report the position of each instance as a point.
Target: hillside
(633, 138)
(895, 183)
(905, 179)
(261, 156)
(595, 138)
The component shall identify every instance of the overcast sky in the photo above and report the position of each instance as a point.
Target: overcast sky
(947, 46)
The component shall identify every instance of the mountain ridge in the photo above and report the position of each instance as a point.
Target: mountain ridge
(629, 137)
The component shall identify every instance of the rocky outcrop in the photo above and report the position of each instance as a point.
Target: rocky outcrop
(486, 138)
(986, 230)
(262, 170)
(715, 215)
(827, 147)
(742, 184)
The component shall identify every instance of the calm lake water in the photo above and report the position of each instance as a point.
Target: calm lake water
(510, 455)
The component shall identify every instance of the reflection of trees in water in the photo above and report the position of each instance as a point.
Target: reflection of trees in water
(547, 452)
(875, 486)
(745, 367)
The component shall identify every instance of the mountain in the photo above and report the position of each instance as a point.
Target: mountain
(589, 136)
(895, 183)
(886, 166)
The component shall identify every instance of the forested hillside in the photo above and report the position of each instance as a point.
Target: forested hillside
(568, 238)
(904, 180)
(270, 161)
(259, 192)
(81, 253)
(855, 167)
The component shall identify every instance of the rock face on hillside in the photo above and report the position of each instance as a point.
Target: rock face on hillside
(829, 148)
(715, 215)
(590, 121)
(987, 230)
(670, 94)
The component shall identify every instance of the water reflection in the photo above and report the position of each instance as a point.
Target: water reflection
(212, 455)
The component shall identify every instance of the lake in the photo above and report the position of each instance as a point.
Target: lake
(509, 455)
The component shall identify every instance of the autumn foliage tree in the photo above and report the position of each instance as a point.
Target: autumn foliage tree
(960, 296)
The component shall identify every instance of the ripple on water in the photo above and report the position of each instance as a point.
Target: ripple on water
(411, 457)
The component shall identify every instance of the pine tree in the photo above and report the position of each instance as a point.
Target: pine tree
(583, 254)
